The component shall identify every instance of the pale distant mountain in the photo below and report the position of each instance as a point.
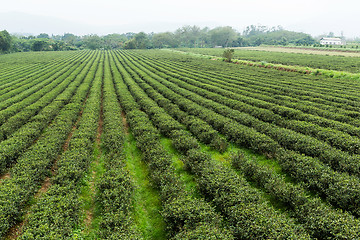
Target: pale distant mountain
(15, 22)
(28, 24)
(323, 24)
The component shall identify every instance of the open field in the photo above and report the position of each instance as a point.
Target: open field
(338, 63)
(151, 144)
(315, 51)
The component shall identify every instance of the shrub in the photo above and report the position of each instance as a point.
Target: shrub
(228, 54)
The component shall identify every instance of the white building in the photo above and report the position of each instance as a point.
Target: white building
(331, 41)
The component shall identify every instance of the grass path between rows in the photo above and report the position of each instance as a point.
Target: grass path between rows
(147, 203)
(187, 178)
(261, 160)
(88, 191)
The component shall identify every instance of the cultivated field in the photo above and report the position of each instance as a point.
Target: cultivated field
(155, 144)
(346, 52)
(293, 57)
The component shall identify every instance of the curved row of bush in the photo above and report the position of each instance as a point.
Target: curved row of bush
(186, 217)
(13, 147)
(249, 216)
(274, 109)
(331, 136)
(26, 77)
(186, 144)
(18, 92)
(290, 139)
(244, 89)
(337, 159)
(321, 220)
(31, 73)
(251, 87)
(33, 84)
(14, 70)
(115, 187)
(35, 164)
(261, 99)
(343, 197)
(25, 91)
(58, 212)
(287, 138)
(18, 114)
(19, 66)
(325, 88)
(199, 128)
(255, 83)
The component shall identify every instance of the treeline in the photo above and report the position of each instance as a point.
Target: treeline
(186, 36)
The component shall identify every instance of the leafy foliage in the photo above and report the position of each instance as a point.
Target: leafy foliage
(5, 41)
(186, 36)
(228, 54)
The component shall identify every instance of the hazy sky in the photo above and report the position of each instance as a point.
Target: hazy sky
(108, 16)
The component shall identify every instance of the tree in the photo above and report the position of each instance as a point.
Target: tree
(141, 40)
(39, 45)
(93, 42)
(306, 40)
(130, 44)
(253, 30)
(257, 42)
(5, 41)
(58, 45)
(222, 36)
(43, 35)
(240, 42)
(204, 37)
(331, 34)
(166, 39)
(69, 38)
(228, 54)
(113, 41)
(279, 37)
(189, 36)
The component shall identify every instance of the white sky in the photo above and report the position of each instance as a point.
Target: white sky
(106, 16)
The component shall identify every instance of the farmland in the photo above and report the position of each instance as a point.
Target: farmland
(153, 144)
(348, 62)
(346, 52)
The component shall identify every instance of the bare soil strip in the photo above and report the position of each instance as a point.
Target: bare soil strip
(16, 231)
(44, 187)
(5, 176)
(125, 123)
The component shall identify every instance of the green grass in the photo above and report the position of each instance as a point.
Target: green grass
(225, 158)
(87, 195)
(147, 203)
(259, 159)
(185, 177)
(249, 154)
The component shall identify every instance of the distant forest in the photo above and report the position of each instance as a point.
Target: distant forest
(186, 36)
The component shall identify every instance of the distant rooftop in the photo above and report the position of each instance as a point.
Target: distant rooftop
(331, 39)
